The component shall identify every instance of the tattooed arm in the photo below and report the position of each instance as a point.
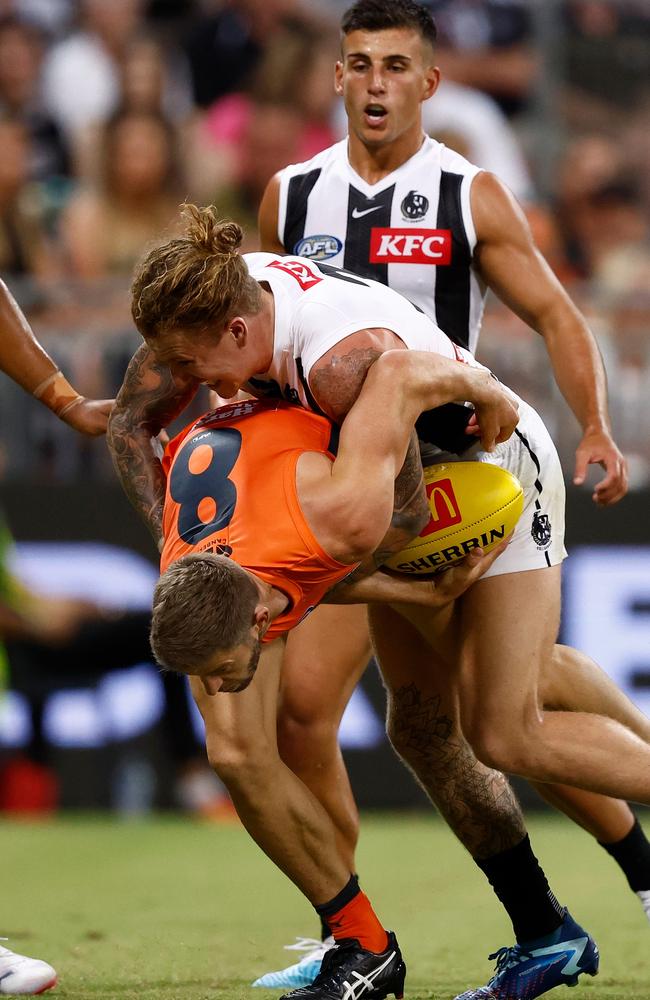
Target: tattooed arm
(383, 587)
(148, 401)
(377, 389)
(337, 380)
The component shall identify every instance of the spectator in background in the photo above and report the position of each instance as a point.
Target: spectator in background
(151, 82)
(25, 251)
(226, 44)
(155, 80)
(486, 44)
(295, 72)
(21, 55)
(269, 143)
(606, 65)
(105, 229)
(82, 72)
(51, 16)
(599, 203)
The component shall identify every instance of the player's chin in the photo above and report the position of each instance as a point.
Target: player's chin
(238, 687)
(374, 131)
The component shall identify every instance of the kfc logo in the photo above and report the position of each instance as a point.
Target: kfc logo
(410, 246)
(301, 272)
(443, 506)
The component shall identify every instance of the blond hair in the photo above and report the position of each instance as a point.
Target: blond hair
(202, 604)
(193, 280)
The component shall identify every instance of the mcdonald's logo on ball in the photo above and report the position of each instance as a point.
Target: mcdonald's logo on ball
(473, 505)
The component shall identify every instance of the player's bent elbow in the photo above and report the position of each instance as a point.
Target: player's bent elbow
(357, 546)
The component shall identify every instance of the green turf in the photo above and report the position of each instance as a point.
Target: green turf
(172, 910)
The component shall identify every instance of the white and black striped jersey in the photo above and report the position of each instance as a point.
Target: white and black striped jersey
(412, 231)
(316, 306)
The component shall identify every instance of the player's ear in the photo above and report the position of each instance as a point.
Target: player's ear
(238, 328)
(262, 618)
(431, 82)
(338, 78)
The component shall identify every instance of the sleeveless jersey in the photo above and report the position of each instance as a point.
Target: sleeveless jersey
(318, 305)
(412, 230)
(231, 489)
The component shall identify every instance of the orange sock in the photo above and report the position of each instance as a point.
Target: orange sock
(357, 919)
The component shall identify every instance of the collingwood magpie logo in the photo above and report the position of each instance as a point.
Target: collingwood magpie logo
(541, 530)
(415, 206)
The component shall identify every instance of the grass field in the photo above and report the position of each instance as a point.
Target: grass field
(169, 909)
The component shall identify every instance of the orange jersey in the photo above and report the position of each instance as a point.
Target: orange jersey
(231, 489)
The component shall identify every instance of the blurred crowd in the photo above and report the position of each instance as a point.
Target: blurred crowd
(113, 113)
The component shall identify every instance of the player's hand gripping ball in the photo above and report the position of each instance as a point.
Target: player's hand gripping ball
(473, 505)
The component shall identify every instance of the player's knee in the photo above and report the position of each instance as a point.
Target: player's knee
(503, 748)
(237, 762)
(554, 677)
(404, 726)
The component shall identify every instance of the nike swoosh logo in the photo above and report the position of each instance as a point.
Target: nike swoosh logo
(356, 214)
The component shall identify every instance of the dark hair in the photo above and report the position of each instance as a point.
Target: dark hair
(378, 15)
(202, 604)
(193, 279)
(172, 181)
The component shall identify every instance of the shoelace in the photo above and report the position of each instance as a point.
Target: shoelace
(332, 978)
(508, 957)
(304, 944)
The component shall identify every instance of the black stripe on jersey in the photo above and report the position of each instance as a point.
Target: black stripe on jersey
(538, 485)
(364, 215)
(305, 385)
(535, 460)
(300, 187)
(453, 282)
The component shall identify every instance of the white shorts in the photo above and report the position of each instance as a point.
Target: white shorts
(538, 539)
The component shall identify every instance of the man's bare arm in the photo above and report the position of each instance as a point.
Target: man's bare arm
(383, 587)
(356, 508)
(27, 362)
(513, 267)
(148, 401)
(267, 219)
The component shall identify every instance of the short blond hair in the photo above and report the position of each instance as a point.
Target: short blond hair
(195, 279)
(203, 603)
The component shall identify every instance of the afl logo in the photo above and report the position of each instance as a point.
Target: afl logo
(415, 206)
(318, 247)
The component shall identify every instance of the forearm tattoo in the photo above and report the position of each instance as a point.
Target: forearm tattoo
(147, 402)
(477, 803)
(411, 508)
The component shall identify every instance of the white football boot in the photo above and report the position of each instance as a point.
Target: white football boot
(23, 976)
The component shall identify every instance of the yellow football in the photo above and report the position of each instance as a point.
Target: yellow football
(473, 505)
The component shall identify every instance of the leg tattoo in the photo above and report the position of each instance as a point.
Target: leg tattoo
(477, 803)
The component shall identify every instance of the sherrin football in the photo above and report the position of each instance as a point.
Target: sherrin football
(473, 505)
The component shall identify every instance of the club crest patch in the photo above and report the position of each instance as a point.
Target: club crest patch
(415, 206)
(541, 530)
